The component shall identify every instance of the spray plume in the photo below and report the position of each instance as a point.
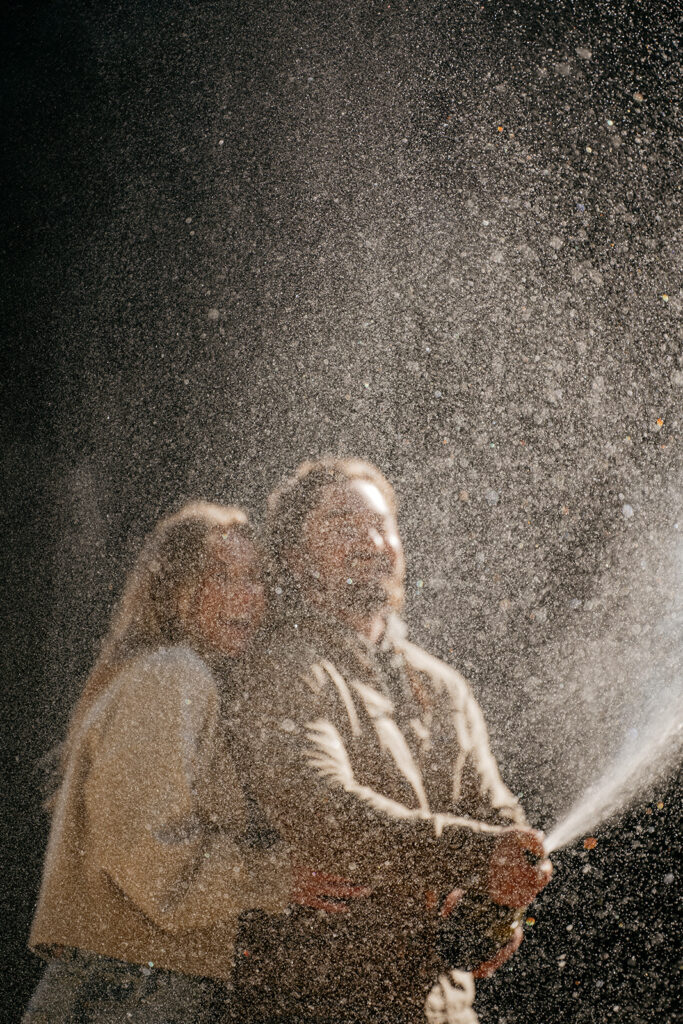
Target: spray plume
(648, 724)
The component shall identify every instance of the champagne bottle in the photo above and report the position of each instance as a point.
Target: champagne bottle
(476, 930)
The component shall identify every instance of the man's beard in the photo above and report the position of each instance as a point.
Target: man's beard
(363, 597)
(360, 598)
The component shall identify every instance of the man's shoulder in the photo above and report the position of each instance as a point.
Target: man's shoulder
(440, 675)
(420, 659)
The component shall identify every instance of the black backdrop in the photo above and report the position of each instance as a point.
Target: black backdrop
(443, 237)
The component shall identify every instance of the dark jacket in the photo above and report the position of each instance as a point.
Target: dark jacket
(373, 763)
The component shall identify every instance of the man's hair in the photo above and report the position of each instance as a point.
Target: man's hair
(298, 495)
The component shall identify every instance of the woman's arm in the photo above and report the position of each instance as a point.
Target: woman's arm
(155, 743)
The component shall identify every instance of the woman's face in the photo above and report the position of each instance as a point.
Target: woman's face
(230, 601)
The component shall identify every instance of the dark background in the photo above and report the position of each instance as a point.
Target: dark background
(443, 237)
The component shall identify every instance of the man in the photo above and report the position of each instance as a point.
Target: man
(371, 759)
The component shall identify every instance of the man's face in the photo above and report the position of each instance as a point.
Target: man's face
(350, 552)
(230, 599)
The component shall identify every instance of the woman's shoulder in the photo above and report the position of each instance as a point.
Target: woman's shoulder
(172, 670)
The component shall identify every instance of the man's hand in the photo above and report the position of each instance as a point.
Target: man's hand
(451, 902)
(325, 892)
(489, 967)
(518, 868)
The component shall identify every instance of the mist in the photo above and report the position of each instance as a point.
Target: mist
(443, 238)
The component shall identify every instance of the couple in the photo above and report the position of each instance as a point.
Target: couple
(275, 809)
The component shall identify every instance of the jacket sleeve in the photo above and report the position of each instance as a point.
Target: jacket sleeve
(479, 788)
(463, 751)
(303, 777)
(149, 832)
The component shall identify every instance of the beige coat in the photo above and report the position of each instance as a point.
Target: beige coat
(147, 860)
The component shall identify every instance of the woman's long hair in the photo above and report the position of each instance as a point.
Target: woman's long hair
(147, 615)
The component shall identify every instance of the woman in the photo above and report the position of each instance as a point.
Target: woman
(152, 854)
